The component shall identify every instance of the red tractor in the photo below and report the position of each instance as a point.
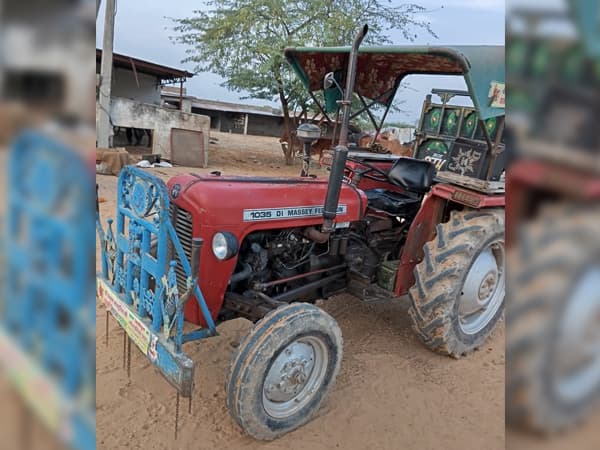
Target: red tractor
(380, 227)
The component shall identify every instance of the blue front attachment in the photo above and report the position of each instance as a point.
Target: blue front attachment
(47, 308)
(138, 282)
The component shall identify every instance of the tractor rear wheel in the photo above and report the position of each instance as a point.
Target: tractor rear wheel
(283, 370)
(458, 296)
(553, 321)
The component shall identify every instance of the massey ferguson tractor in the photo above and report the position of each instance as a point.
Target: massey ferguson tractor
(204, 249)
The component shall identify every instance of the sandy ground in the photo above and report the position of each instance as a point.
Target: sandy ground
(584, 437)
(391, 393)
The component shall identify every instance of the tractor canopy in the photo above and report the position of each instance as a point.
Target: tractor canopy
(585, 16)
(381, 69)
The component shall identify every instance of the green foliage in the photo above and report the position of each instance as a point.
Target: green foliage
(243, 40)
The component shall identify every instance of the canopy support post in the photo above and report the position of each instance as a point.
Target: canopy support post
(368, 110)
(378, 129)
(319, 106)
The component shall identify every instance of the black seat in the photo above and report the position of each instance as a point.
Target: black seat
(415, 175)
(395, 203)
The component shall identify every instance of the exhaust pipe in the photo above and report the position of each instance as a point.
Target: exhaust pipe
(338, 164)
(350, 79)
(332, 199)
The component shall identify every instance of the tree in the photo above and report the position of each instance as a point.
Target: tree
(243, 41)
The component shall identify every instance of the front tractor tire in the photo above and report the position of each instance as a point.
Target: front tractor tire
(458, 296)
(283, 370)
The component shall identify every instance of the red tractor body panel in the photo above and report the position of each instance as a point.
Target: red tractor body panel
(242, 205)
(529, 178)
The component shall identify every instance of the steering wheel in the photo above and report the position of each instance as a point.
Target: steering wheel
(370, 168)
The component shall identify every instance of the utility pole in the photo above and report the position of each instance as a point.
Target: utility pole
(103, 131)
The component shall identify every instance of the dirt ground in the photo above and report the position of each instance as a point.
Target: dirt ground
(391, 393)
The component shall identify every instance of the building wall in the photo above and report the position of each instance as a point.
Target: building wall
(215, 117)
(265, 125)
(127, 113)
(234, 122)
(124, 85)
(63, 61)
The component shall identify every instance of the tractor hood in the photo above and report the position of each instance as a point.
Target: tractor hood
(245, 204)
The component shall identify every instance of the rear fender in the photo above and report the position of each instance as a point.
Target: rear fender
(436, 205)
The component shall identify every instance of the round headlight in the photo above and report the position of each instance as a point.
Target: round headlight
(224, 245)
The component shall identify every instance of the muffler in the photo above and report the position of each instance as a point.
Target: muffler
(338, 165)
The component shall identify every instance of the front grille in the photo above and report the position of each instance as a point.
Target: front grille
(182, 222)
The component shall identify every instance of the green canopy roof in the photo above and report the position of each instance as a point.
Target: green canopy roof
(585, 14)
(381, 69)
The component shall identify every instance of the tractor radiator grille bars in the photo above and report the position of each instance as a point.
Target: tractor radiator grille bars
(182, 222)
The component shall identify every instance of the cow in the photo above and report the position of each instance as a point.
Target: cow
(385, 143)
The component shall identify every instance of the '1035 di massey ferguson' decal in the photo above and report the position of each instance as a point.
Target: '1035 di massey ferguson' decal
(287, 213)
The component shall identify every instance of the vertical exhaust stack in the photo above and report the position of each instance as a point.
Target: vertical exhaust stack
(338, 164)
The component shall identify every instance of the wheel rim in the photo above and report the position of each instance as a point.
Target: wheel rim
(483, 289)
(295, 376)
(577, 363)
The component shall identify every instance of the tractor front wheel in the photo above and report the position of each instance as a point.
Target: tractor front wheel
(283, 370)
(458, 296)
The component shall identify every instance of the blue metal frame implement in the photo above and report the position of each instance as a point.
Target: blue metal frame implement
(138, 282)
(48, 314)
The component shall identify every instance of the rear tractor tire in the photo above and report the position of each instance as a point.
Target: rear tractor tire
(458, 296)
(553, 321)
(283, 370)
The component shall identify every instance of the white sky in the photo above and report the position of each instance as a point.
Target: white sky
(142, 29)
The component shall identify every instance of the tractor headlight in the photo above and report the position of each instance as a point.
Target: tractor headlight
(224, 245)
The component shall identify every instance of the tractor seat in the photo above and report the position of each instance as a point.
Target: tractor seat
(394, 203)
(414, 175)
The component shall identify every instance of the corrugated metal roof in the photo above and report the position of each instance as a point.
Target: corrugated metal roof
(235, 107)
(147, 67)
(215, 105)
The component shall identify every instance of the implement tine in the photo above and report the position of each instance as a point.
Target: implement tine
(128, 357)
(124, 347)
(176, 413)
(106, 337)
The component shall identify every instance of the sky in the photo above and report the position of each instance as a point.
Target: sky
(142, 30)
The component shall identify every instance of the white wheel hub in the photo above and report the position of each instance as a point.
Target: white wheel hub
(294, 376)
(483, 290)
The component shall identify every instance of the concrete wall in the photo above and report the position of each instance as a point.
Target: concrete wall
(215, 117)
(66, 54)
(124, 85)
(127, 113)
(187, 105)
